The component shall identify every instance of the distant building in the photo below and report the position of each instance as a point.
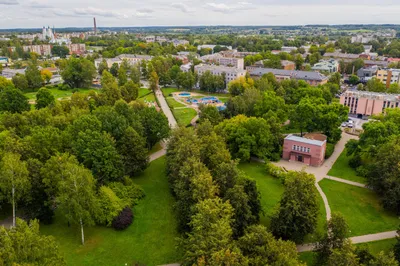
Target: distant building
(367, 73)
(313, 78)
(366, 103)
(393, 60)
(186, 67)
(367, 49)
(231, 73)
(361, 39)
(288, 49)
(224, 61)
(150, 38)
(330, 66)
(211, 46)
(177, 42)
(388, 76)
(285, 64)
(341, 55)
(77, 48)
(8, 73)
(132, 59)
(40, 49)
(309, 149)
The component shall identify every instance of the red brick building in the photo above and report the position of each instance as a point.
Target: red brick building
(309, 149)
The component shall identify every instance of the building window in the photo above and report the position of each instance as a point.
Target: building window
(294, 147)
(308, 150)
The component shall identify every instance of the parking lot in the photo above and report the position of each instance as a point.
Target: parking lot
(357, 122)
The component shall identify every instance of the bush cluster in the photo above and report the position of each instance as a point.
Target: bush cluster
(123, 220)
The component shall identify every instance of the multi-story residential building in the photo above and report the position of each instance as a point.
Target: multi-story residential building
(132, 59)
(41, 49)
(366, 103)
(309, 149)
(341, 55)
(231, 73)
(224, 61)
(150, 38)
(288, 49)
(313, 78)
(77, 48)
(367, 73)
(361, 39)
(285, 64)
(388, 76)
(161, 39)
(177, 42)
(330, 66)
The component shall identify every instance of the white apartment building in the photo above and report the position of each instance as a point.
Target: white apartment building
(288, 49)
(42, 49)
(231, 73)
(132, 59)
(150, 38)
(224, 61)
(361, 39)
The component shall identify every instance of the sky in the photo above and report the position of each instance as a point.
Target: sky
(114, 13)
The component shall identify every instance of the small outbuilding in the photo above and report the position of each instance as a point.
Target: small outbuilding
(309, 149)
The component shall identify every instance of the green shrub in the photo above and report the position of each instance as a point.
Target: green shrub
(275, 171)
(110, 205)
(130, 193)
(330, 148)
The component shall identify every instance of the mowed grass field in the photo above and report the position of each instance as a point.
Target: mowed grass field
(58, 94)
(342, 169)
(271, 190)
(149, 240)
(361, 208)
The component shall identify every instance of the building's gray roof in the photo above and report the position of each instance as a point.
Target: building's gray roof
(219, 68)
(341, 55)
(373, 95)
(295, 74)
(304, 140)
(146, 57)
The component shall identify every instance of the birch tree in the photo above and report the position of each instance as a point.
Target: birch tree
(77, 197)
(14, 179)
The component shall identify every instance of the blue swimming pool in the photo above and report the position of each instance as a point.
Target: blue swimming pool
(184, 94)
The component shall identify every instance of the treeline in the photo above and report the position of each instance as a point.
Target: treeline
(218, 207)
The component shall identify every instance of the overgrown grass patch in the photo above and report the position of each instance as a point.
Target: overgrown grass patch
(184, 116)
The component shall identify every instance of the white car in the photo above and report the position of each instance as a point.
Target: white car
(344, 124)
(350, 125)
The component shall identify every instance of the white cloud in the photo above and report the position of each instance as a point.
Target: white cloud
(39, 4)
(9, 2)
(183, 7)
(92, 11)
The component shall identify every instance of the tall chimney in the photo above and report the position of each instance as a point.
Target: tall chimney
(95, 27)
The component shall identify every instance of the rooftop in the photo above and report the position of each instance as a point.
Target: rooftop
(373, 95)
(296, 74)
(219, 68)
(341, 55)
(305, 140)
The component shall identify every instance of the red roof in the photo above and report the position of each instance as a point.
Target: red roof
(393, 59)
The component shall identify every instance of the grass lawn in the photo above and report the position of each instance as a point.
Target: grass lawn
(57, 93)
(378, 246)
(271, 190)
(342, 169)
(149, 97)
(150, 240)
(361, 208)
(307, 257)
(172, 103)
(167, 91)
(184, 116)
(143, 92)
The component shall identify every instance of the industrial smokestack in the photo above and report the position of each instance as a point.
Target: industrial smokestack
(95, 27)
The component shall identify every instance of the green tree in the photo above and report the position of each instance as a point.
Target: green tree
(299, 61)
(261, 248)
(130, 91)
(60, 50)
(384, 259)
(132, 148)
(155, 126)
(394, 88)
(109, 205)
(44, 98)
(20, 82)
(33, 76)
(354, 79)
(14, 181)
(375, 85)
(211, 231)
(114, 69)
(122, 76)
(335, 78)
(153, 80)
(78, 72)
(335, 237)
(102, 66)
(344, 256)
(135, 74)
(298, 208)
(77, 197)
(109, 88)
(24, 245)
(210, 113)
(13, 100)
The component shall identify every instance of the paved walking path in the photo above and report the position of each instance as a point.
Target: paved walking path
(355, 240)
(160, 153)
(165, 108)
(346, 181)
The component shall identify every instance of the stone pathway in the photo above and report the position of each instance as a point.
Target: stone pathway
(355, 240)
(165, 108)
(346, 181)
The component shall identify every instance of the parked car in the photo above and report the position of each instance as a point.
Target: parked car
(350, 125)
(344, 124)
